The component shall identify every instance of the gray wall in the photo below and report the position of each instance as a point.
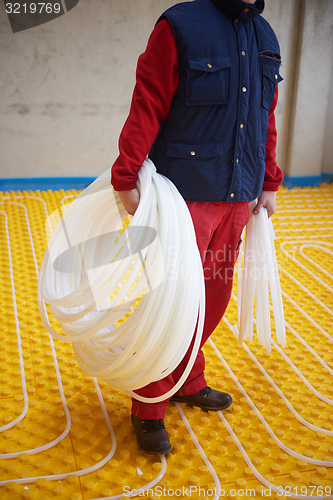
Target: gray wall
(66, 86)
(328, 141)
(311, 80)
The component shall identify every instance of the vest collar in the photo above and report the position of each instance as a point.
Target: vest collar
(237, 9)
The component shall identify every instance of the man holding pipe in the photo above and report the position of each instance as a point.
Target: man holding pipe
(203, 108)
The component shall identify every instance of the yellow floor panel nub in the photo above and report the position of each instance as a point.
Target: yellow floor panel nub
(68, 436)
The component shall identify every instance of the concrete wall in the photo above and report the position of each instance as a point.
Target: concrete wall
(66, 86)
(313, 70)
(328, 144)
(283, 15)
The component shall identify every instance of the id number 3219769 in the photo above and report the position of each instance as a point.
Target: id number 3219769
(32, 8)
(306, 490)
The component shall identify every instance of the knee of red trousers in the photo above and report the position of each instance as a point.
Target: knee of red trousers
(195, 380)
(219, 275)
(216, 304)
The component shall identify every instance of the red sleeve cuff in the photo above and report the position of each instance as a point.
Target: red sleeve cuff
(274, 186)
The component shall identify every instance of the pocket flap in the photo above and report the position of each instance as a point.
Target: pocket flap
(261, 150)
(193, 151)
(210, 63)
(271, 69)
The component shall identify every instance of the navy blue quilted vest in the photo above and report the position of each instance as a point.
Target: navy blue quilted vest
(212, 144)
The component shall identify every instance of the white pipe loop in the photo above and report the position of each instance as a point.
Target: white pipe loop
(97, 272)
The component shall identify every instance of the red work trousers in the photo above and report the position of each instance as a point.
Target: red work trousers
(218, 228)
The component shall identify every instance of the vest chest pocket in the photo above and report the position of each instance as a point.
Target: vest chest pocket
(207, 80)
(270, 64)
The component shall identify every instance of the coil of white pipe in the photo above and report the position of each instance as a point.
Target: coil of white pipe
(146, 278)
(259, 276)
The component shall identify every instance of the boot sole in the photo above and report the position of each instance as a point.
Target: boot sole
(154, 453)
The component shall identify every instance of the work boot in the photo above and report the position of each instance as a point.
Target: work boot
(207, 398)
(151, 435)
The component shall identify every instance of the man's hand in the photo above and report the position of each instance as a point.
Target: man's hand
(130, 199)
(267, 199)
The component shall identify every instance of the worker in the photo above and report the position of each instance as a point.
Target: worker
(203, 110)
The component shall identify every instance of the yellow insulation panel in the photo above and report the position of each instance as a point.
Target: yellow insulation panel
(67, 435)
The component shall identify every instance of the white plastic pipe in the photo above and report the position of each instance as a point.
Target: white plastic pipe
(258, 277)
(96, 273)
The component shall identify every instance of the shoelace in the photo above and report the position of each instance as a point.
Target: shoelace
(153, 425)
(205, 392)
